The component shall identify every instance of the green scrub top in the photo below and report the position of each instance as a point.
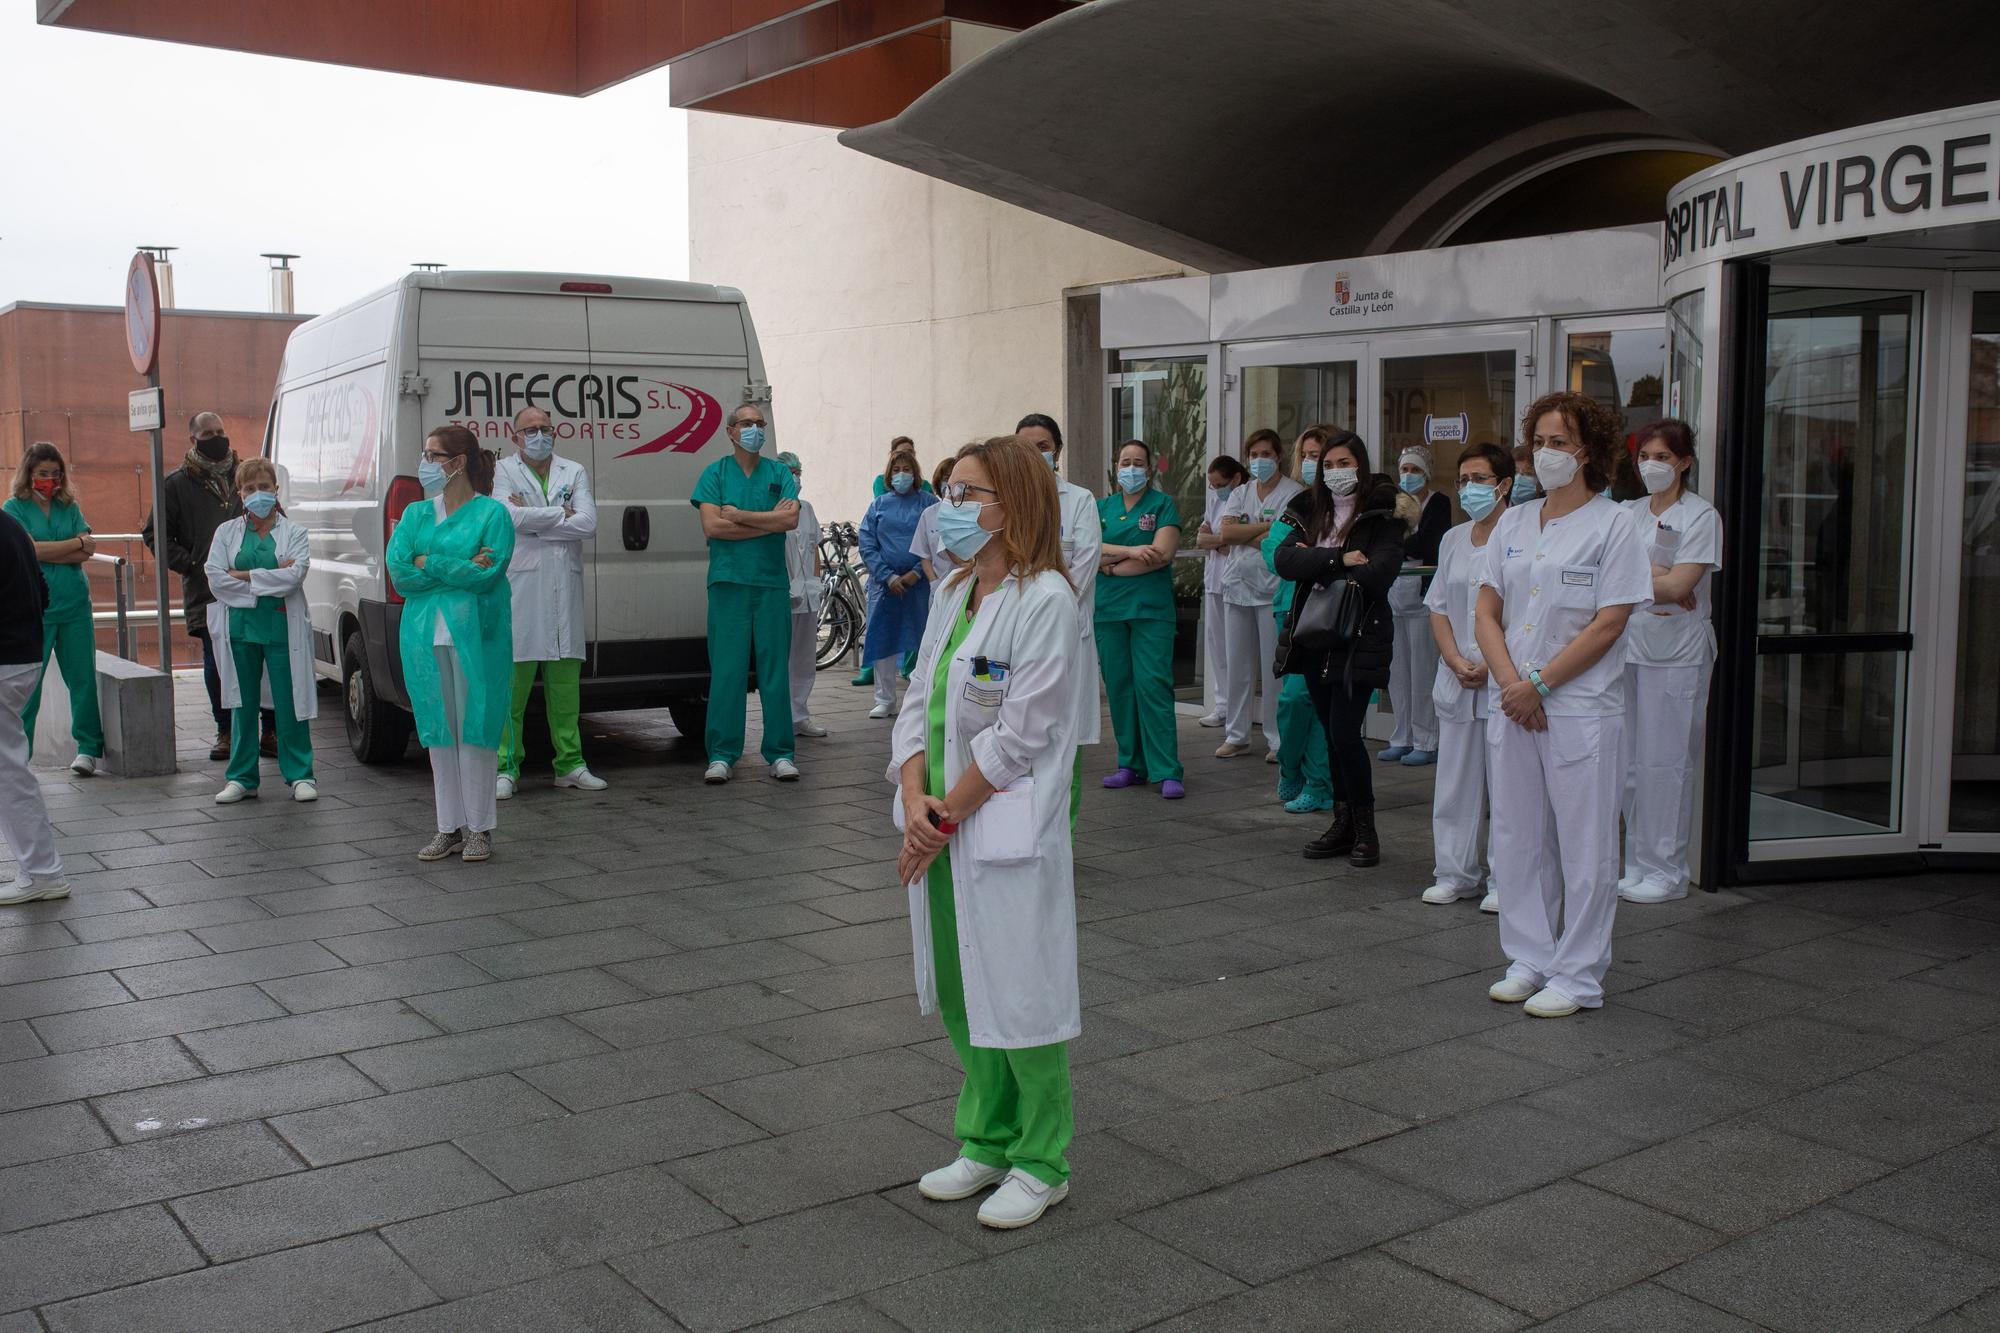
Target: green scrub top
(1281, 530)
(478, 609)
(758, 562)
(1147, 596)
(264, 622)
(940, 671)
(69, 589)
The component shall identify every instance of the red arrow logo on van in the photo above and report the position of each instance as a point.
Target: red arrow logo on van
(704, 418)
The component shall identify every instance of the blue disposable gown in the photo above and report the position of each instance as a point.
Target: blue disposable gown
(895, 624)
(478, 608)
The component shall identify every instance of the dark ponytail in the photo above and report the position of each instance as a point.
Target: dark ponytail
(459, 442)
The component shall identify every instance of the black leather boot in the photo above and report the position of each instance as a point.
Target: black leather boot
(1367, 846)
(1338, 840)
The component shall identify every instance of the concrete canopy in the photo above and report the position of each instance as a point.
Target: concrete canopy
(1268, 132)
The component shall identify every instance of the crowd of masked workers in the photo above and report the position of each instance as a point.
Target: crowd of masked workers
(1549, 654)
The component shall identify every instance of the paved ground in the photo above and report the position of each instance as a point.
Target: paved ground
(657, 1066)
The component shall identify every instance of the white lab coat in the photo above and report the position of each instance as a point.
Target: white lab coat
(1214, 633)
(1011, 862)
(293, 544)
(1082, 539)
(1458, 800)
(546, 573)
(1250, 632)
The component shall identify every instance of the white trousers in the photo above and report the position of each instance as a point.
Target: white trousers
(885, 679)
(1215, 637)
(805, 651)
(1251, 645)
(1412, 675)
(24, 817)
(1458, 803)
(1555, 848)
(1666, 714)
(462, 776)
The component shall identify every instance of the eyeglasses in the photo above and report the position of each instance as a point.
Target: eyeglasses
(435, 455)
(753, 421)
(1463, 482)
(958, 491)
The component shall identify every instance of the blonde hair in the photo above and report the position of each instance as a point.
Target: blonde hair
(1023, 482)
(38, 453)
(255, 469)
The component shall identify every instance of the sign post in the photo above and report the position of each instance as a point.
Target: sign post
(142, 340)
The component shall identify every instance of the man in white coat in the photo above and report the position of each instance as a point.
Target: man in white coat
(554, 515)
(1082, 537)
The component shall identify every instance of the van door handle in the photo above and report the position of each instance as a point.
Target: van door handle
(638, 528)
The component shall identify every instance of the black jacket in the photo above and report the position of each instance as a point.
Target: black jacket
(24, 592)
(1379, 534)
(1422, 545)
(194, 512)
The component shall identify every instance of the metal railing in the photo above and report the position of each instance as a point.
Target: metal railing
(124, 605)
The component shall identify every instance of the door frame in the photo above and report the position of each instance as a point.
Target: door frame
(1236, 357)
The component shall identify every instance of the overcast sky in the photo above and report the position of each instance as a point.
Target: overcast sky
(361, 173)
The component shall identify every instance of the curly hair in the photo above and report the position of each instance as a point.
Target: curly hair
(1596, 427)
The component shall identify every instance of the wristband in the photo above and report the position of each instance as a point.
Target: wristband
(944, 826)
(1535, 679)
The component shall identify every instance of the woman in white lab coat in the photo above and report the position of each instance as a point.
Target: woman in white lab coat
(262, 635)
(1248, 589)
(984, 754)
(1669, 653)
(1458, 801)
(802, 566)
(1225, 474)
(1560, 577)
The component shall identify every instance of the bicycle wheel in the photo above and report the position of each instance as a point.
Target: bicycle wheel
(839, 627)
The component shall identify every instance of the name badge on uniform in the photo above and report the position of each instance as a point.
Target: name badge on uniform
(1147, 522)
(1579, 578)
(985, 696)
(776, 489)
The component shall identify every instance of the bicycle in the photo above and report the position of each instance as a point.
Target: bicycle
(842, 610)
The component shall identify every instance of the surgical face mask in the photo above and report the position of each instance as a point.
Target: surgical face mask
(959, 530)
(1223, 492)
(1479, 498)
(259, 504)
(1556, 468)
(1309, 470)
(431, 476)
(215, 448)
(1343, 480)
(1132, 480)
(1412, 482)
(1524, 489)
(902, 482)
(46, 487)
(1263, 469)
(750, 439)
(1050, 459)
(538, 445)
(1658, 476)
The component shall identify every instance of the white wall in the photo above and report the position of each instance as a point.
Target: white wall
(887, 303)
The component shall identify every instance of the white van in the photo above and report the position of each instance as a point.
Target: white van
(637, 375)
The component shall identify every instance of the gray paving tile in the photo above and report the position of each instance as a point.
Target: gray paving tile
(108, 1178)
(701, 968)
(1933, 934)
(298, 1037)
(431, 908)
(844, 984)
(1103, 1279)
(290, 929)
(849, 1316)
(1434, 1081)
(111, 1025)
(61, 1078)
(666, 1017)
(381, 946)
(562, 953)
(1646, 1307)
(813, 1166)
(1795, 1052)
(313, 1289)
(650, 1071)
(1837, 963)
(1650, 1100)
(1954, 1197)
(1203, 1070)
(516, 1001)
(202, 1103)
(462, 1055)
(533, 1235)
(1734, 1177)
(1383, 1026)
(369, 1125)
(1365, 1293)
(1500, 1251)
(1830, 1271)
(18, 1041)
(55, 1263)
(229, 969)
(1768, 925)
(552, 1151)
(42, 935)
(861, 905)
(1969, 1065)
(354, 884)
(49, 1131)
(751, 1274)
(1884, 1117)
(182, 892)
(333, 1201)
(159, 920)
(1258, 1131)
(1491, 1154)
(1912, 1009)
(586, 1298)
(1597, 1039)
(33, 999)
(378, 981)
(813, 1037)
(1980, 973)
(819, 1094)
(1194, 963)
(1220, 1006)
(1722, 998)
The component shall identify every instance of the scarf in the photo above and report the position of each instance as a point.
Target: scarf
(215, 476)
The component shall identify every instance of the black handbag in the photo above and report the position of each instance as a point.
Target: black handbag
(1331, 618)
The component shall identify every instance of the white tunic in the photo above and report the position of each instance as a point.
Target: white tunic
(292, 543)
(801, 546)
(926, 544)
(1213, 562)
(1689, 532)
(1453, 595)
(1246, 579)
(1554, 579)
(1082, 539)
(546, 572)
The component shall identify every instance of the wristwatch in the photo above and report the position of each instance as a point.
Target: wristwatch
(944, 826)
(1535, 679)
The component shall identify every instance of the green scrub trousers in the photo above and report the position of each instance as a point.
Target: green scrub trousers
(73, 643)
(1137, 658)
(561, 695)
(746, 622)
(1015, 1109)
(1302, 740)
(253, 660)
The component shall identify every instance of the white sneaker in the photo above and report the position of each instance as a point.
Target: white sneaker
(305, 791)
(232, 792)
(717, 774)
(1490, 903)
(1214, 720)
(1021, 1200)
(1549, 1002)
(808, 728)
(880, 711)
(583, 780)
(961, 1180)
(1230, 749)
(503, 788)
(28, 891)
(785, 771)
(1270, 756)
(1651, 891)
(1440, 894)
(1631, 880)
(1511, 990)
(84, 765)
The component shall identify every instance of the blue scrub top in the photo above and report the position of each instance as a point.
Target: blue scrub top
(895, 624)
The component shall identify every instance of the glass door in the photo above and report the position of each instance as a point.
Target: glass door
(1448, 392)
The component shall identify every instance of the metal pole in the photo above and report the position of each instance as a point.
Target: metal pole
(160, 534)
(124, 625)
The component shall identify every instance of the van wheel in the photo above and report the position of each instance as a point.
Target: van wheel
(377, 732)
(690, 715)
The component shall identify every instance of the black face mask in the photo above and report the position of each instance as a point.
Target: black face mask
(214, 449)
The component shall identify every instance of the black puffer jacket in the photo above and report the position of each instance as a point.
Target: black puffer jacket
(1377, 533)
